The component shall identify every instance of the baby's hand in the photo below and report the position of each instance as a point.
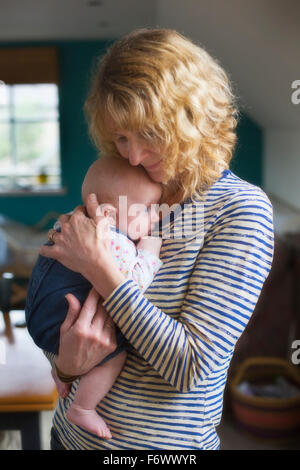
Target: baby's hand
(151, 244)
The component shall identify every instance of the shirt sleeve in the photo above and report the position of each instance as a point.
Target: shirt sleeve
(223, 289)
(145, 268)
(50, 356)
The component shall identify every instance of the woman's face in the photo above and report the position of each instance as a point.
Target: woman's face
(139, 151)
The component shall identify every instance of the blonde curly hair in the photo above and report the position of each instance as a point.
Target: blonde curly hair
(170, 90)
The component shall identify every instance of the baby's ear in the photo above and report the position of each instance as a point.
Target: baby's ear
(108, 210)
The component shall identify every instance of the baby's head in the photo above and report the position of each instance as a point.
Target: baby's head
(111, 177)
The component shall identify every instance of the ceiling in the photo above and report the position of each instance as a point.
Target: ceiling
(257, 41)
(72, 19)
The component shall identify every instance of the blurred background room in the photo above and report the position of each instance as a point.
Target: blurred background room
(47, 52)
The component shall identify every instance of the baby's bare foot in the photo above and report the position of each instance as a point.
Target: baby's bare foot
(62, 388)
(89, 420)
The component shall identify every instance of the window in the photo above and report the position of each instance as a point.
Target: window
(29, 119)
(29, 136)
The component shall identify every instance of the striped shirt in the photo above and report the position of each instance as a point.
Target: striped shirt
(184, 328)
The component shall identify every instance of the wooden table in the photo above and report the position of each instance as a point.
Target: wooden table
(26, 384)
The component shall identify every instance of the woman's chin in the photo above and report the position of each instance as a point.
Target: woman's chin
(156, 176)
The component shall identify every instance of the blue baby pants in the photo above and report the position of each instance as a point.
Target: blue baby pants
(46, 306)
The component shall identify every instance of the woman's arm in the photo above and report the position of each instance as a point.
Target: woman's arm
(224, 287)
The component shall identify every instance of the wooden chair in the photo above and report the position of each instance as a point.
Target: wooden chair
(26, 384)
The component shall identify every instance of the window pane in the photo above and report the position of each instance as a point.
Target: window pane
(29, 136)
(35, 101)
(5, 149)
(4, 102)
(37, 147)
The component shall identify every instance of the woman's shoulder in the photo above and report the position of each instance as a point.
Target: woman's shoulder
(232, 198)
(230, 185)
(230, 190)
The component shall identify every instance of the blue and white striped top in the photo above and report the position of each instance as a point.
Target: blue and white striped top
(184, 328)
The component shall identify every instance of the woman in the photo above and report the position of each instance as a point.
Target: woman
(162, 102)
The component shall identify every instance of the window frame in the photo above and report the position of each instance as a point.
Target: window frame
(12, 121)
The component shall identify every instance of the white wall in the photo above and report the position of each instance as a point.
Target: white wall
(282, 164)
(258, 43)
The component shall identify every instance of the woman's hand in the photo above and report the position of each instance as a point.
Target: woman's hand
(87, 336)
(84, 245)
(81, 238)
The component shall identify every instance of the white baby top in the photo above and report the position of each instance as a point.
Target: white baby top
(139, 265)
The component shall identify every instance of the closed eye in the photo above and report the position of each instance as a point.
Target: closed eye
(121, 139)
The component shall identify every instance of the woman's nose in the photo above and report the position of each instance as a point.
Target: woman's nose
(136, 154)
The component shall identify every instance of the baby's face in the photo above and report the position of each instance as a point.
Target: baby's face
(128, 192)
(137, 213)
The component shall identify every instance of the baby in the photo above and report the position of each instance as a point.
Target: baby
(137, 256)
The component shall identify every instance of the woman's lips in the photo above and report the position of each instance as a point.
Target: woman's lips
(153, 167)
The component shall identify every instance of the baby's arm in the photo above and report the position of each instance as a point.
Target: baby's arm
(151, 244)
(147, 262)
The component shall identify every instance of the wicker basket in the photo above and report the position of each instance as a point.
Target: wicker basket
(269, 418)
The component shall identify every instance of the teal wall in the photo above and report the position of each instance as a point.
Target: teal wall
(247, 161)
(77, 153)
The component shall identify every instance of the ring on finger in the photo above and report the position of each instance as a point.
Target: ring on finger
(57, 226)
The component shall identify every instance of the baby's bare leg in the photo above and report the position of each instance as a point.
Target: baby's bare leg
(92, 388)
